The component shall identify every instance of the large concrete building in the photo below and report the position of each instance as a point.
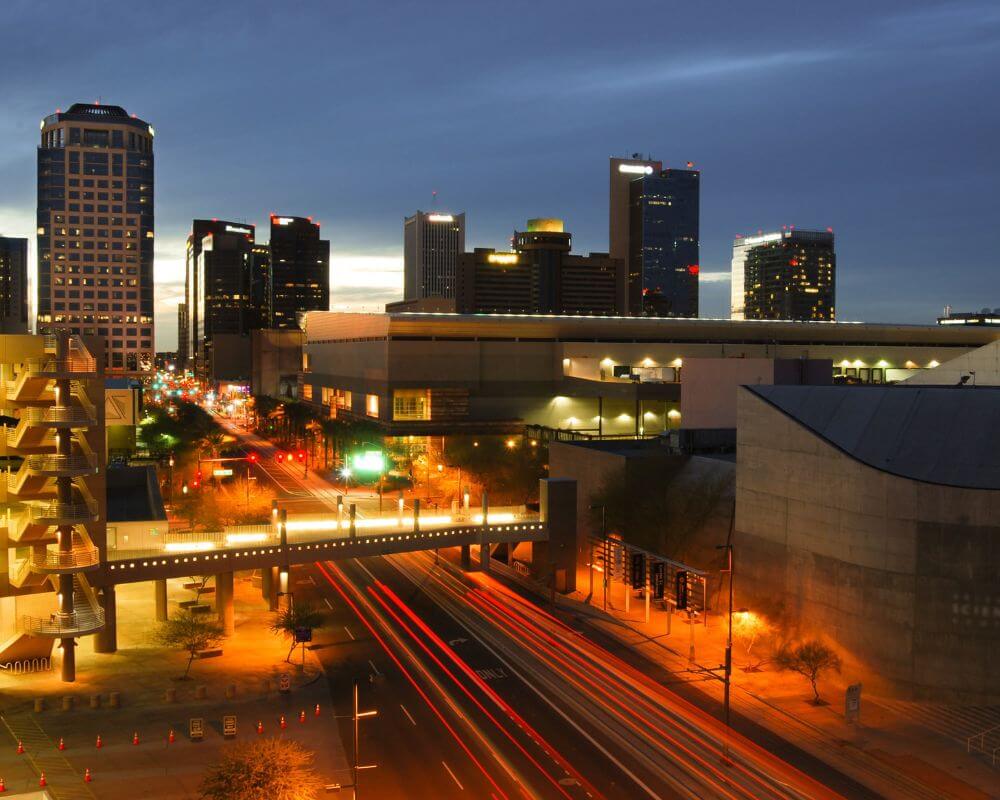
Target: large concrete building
(432, 242)
(868, 515)
(52, 529)
(13, 285)
(593, 376)
(95, 231)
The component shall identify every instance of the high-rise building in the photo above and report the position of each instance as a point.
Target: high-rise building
(622, 172)
(224, 278)
(260, 284)
(540, 276)
(663, 261)
(13, 285)
(95, 231)
(788, 274)
(432, 242)
(182, 336)
(300, 270)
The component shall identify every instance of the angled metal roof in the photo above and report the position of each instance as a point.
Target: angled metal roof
(936, 434)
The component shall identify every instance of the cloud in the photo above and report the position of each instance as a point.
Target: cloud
(715, 277)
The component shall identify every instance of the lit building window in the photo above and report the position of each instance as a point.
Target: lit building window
(371, 405)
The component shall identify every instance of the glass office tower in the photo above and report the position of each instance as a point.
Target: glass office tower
(663, 260)
(300, 270)
(789, 274)
(13, 285)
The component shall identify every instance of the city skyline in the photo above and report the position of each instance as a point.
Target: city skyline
(892, 94)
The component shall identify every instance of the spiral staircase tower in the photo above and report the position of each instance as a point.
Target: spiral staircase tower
(54, 513)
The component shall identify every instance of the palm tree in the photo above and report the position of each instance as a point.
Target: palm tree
(295, 617)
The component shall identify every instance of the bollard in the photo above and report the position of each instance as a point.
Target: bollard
(231, 691)
(95, 701)
(39, 705)
(267, 686)
(67, 703)
(115, 699)
(200, 692)
(170, 695)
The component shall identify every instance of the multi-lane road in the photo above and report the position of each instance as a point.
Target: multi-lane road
(480, 692)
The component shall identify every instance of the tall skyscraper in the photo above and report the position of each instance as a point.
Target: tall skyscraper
(622, 172)
(789, 274)
(663, 260)
(13, 285)
(300, 270)
(223, 270)
(260, 284)
(200, 228)
(95, 231)
(432, 242)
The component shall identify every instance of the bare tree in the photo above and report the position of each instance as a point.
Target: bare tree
(810, 659)
(190, 632)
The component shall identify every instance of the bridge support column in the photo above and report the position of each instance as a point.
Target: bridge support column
(556, 560)
(160, 592)
(466, 559)
(224, 602)
(106, 640)
(269, 587)
(484, 556)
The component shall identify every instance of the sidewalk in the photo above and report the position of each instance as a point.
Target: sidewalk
(894, 750)
(250, 669)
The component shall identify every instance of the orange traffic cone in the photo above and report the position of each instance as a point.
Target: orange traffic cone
(20, 747)
(99, 744)
(302, 716)
(86, 775)
(283, 723)
(170, 737)
(3, 786)
(41, 780)
(317, 709)
(260, 727)
(135, 737)
(62, 744)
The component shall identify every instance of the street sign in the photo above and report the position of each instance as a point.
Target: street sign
(638, 570)
(229, 726)
(681, 589)
(284, 682)
(658, 578)
(222, 473)
(852, 703)
(196, 728)
(303, 635)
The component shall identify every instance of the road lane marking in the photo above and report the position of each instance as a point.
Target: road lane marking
(329, 605)
(349, 632)
(408, 715)
(374, 668)
(453, 776)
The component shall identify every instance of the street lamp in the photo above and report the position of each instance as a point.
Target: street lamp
(728, 665)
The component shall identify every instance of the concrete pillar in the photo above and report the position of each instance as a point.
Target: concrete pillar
(68, 659)
(416, 515)
(557, 559)
(466, 560)
(160, 592)
(484, 556)
(271, 582)
(353, 531)
(224, 602)
(106, 640)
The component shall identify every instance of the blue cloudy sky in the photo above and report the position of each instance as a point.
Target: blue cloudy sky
(879, 119)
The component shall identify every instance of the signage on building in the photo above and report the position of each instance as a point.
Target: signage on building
(237, 229)
(635, 169)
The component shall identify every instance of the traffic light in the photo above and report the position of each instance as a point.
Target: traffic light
(280, 457)
(301, 455)
(253, 458)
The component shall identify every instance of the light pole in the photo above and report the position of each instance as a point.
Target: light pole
(357, 718)
(728, 665)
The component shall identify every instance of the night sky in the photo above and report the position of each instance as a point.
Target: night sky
(878, 119)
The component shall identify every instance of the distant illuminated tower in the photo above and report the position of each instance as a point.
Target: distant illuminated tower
(789, 274)
(300, 270)
(95, 231)
(13, 285)
(432, 242)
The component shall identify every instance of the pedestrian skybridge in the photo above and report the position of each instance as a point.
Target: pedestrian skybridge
(314, 537)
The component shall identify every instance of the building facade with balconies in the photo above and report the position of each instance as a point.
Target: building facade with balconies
(52, 528)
